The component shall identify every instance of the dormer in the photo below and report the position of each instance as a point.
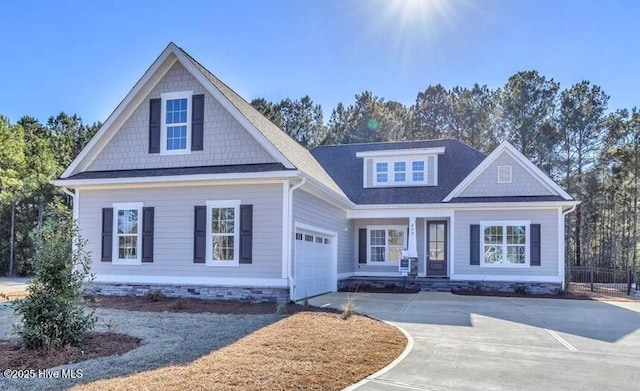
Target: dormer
(400, 167)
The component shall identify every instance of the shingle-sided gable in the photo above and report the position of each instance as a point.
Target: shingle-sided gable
(505, 173)
(520, 183)
(226, 142)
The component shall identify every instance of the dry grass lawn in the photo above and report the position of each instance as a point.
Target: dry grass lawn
(305, 351)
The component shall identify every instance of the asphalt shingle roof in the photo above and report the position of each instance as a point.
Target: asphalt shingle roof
(346, 169)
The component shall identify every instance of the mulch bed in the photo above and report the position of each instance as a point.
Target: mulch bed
(93, 345)
(153, 303)
(563, 295)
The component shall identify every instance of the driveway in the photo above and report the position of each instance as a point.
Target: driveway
(493, 343)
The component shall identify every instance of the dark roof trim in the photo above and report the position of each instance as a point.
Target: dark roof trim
(156, 172)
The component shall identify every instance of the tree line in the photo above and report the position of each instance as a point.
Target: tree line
(31, 155)
(568, 133)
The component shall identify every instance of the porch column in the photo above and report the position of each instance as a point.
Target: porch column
(412, 244)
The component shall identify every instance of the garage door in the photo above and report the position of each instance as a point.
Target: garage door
(315, 266)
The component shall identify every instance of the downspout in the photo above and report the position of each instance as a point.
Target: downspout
(289, 231)
(564, 215)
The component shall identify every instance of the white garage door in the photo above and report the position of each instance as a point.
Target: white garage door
(315, 266)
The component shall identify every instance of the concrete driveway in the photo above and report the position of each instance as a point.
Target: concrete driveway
(491, 343)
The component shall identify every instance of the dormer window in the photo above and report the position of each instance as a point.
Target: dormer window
(382, 170)
(401, 168)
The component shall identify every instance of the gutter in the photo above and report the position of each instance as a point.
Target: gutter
(289, 229)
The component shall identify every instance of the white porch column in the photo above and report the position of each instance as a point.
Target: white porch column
(412, 244)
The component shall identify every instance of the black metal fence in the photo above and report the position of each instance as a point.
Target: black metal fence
(613, 281)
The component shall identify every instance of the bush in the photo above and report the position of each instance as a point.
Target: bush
(53, 314)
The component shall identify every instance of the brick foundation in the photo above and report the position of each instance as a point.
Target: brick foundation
(280, 295)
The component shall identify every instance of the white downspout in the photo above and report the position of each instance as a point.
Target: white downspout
(288, 233)
(564, 215)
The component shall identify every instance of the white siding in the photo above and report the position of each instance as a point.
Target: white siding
(225, 140)
(548, 220)
(311, 210)
(174, 224)
(523, 183)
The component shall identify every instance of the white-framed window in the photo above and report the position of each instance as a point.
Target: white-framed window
(504, 243)
(176, 123)
(417, 169)
(504, 174)
(127, 233)
(385, 244)
(223, 233)
(382, 170)
(409, 171)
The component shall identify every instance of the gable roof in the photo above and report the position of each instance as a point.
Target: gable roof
(506, 147)
(282, 147)
(346, 169)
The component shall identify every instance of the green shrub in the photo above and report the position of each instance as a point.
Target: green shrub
(53, 314)
(520, 289)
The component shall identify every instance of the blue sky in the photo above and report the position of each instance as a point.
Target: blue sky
(84, 56)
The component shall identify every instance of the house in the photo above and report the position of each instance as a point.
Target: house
(189, 190)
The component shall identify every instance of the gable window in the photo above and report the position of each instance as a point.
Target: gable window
(504, 243)
(381, 172)
(176, 122)
(504, 174)
(127, 240)
(223, 222)
(385, 244)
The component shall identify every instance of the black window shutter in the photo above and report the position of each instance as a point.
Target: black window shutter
(200, 234)
(147, 234)
(474, 234)
(155, 114)
(246, 233)
(107, 234)
(534, 248)
(362, 245)
(197, 123)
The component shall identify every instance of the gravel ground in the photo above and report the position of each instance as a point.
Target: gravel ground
(167, 338)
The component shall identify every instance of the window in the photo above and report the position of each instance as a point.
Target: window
(127, 238)
(381, 172)
(399, 169)
(385, 244)
(505, 243)
(298, 236)
(504, 174)
(176, 122)
(417, 168)
(405, 172)
(319, 239)
(223, 223)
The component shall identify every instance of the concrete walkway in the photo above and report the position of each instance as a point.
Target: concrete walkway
(491, 343)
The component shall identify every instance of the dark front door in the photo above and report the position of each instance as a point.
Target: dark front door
(436, 248)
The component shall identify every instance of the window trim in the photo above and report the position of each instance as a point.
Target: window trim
(163, 118)
(510, 174)
(115, 259)
(505, 224)
(236, 235)
(369, 228)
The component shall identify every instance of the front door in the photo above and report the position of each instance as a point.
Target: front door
(436, 248)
